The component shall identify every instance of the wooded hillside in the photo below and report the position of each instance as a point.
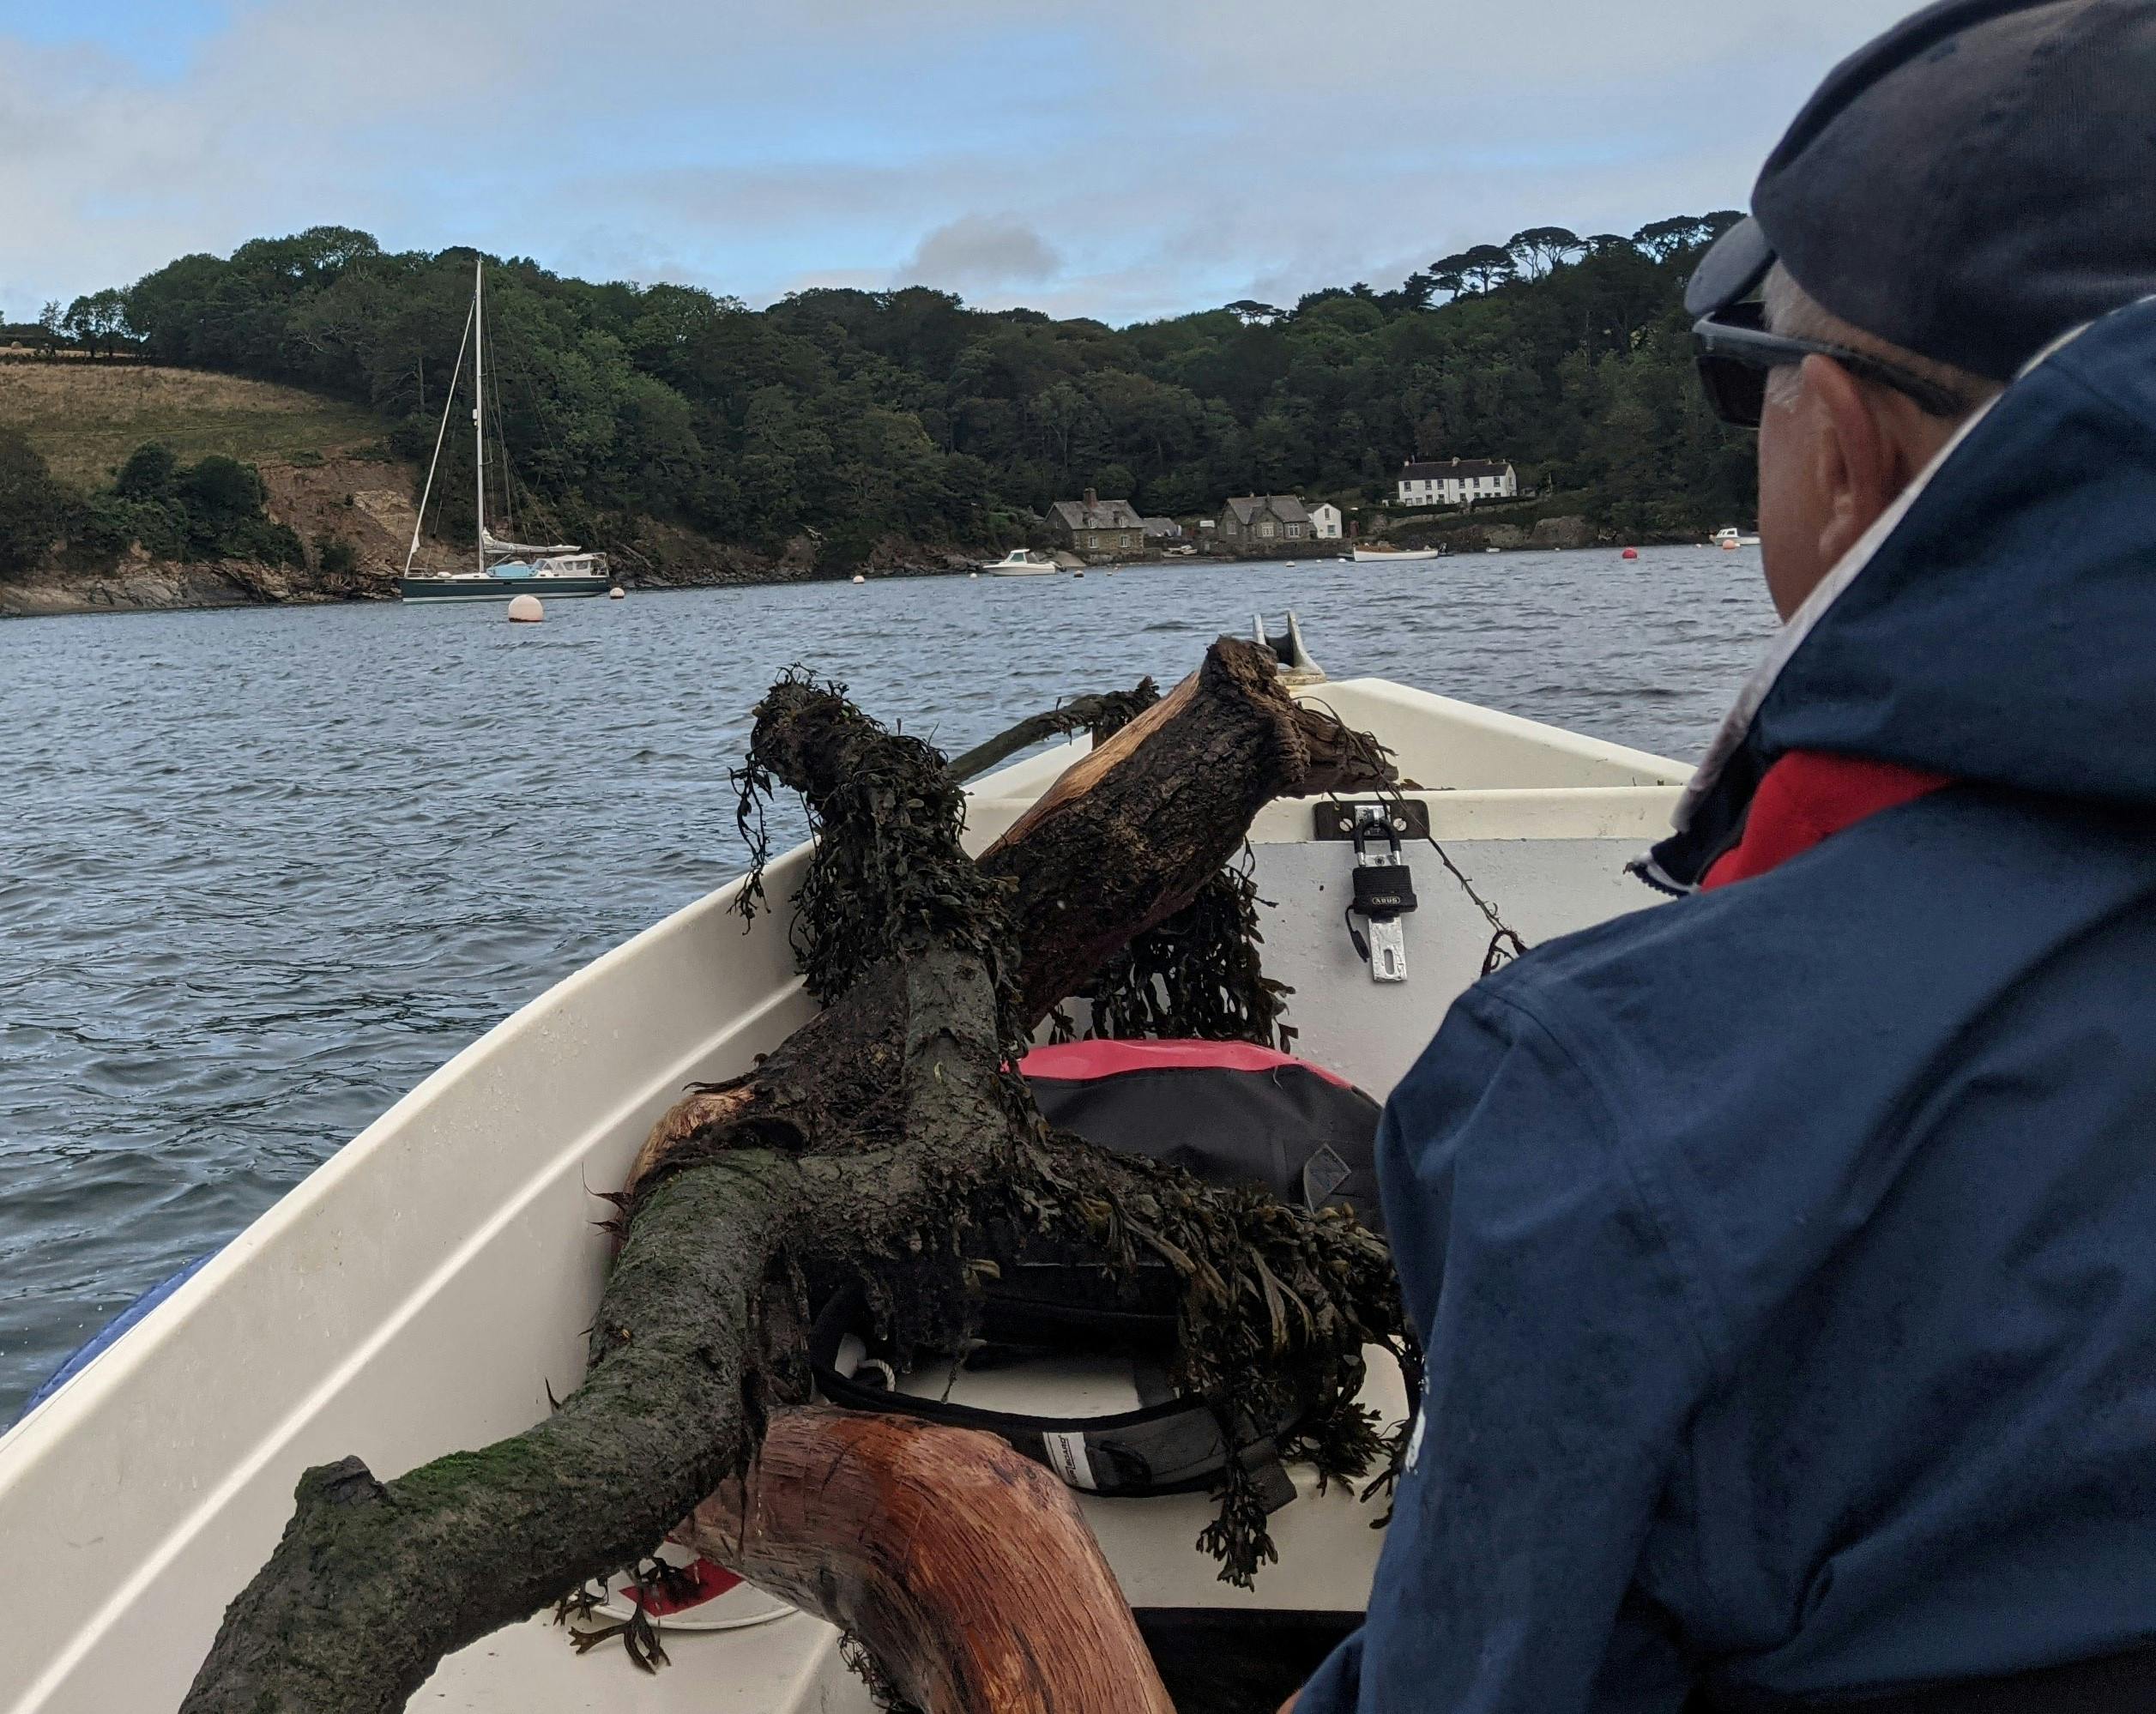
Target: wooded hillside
(861, 413)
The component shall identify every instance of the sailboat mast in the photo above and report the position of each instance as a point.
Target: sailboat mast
(479, 397)
(441, 434)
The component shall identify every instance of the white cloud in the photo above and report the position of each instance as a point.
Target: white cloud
(1107, 157)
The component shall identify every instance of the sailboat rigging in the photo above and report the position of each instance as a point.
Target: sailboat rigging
(501, 569)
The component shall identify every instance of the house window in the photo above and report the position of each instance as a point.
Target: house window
(1265, 529)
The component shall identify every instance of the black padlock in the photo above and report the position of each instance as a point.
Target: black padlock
(1383, 891)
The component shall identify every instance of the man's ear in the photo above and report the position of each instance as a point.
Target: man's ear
(1859, 469)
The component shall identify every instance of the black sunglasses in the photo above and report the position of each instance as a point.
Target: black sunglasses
(1736, 353)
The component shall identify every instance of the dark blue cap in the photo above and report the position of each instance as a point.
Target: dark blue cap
(1977, 181)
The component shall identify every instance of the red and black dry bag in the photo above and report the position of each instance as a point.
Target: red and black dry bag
(1226, 1112)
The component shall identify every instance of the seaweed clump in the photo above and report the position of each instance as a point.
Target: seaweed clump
(887, 874)
(1274, 1305)
(1198, 975)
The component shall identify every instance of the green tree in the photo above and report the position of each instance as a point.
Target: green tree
(1540, 249)
(1487, 266)
(148, 473)
(31, 504)
(99, 322)
(1663, 239)
(219, 491)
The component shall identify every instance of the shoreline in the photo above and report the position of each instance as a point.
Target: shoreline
(221, 585)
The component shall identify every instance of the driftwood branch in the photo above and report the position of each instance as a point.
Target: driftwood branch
(1189, 774)
(886, 1144)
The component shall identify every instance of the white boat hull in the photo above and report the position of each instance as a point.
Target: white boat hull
(1365, 556)
(422, 1290)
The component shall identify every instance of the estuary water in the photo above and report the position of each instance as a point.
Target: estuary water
(260, 871)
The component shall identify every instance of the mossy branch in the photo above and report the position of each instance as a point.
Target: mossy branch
(887, 1142)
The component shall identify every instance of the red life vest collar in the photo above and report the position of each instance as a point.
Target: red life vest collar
(1808, 796)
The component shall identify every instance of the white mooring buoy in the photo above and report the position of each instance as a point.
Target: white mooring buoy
(858, 578)
(616, 594)
(526, 609)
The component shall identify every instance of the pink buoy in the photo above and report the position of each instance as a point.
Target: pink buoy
(1632, 553)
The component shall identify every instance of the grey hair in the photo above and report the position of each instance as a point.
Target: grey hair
(1794, 313)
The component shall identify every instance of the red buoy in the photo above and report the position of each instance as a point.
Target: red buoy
(1632, 553)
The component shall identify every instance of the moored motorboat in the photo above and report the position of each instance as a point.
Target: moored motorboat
(1022, 562)
(426, 1288)
(1382, 555)
(1731, 536)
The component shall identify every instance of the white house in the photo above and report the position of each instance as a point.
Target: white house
(1324, 522)
(1456, 481)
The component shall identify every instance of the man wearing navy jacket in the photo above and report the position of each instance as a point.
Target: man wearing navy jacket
(1785, 1256)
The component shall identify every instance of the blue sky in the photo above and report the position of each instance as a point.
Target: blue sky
(1120, 158)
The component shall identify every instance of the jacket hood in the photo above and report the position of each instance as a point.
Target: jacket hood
(1997, 623)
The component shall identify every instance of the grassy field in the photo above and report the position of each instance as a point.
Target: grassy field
(86, 417)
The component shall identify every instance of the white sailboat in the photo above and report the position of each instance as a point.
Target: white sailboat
(503, 568)
(424, 1288)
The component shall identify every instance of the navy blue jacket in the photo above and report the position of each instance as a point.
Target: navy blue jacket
(1785, 1256)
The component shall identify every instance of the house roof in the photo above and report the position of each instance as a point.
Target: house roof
(1439, 468)
(1284, 507)
(1097, 514)
(1162, 526)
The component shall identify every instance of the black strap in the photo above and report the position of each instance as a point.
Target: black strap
(1177, 1447)
(2124, 1683)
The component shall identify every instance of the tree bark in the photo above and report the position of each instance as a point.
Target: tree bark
(963, 1566)
(1188, 775)
(885, 1141)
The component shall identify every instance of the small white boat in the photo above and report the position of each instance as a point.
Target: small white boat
(424, 1288)
(1022, 562)
(1732, 537)
(1379, 555)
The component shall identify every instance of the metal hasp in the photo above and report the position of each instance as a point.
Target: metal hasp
(1338, 817)
(1384, 892)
